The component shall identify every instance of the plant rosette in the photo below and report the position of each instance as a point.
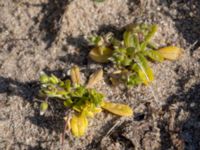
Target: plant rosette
(131, 56)
(83, 100)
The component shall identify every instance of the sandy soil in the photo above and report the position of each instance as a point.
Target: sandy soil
(50, 36)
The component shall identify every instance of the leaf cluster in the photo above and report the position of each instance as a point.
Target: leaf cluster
(83, 100)
(131, 55)
(76, 97)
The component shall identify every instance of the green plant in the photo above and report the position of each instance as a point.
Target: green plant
(98, 0)
(131, 55)
(83, 100)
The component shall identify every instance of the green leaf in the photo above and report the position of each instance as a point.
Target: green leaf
(43, 107)
(78, 92)
(152, 45)
(96, 40)
(146, 76)
(99, 0)
(128, 39)
(95, 97)
(143, 46)
(115, 42)
(53, 79)
(151, 33)
(44, 78)
(67, 85)
(134, 80)
(154, 55)
(130, 51)
(68, 102)
(53, 94)
(142, 61)
(136, 42)
(145, 72)
(126, 62)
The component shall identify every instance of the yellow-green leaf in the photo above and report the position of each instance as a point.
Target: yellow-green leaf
(117, 108)
(75, 75)
(170, 52)
(43, 107)
(128, 39)
(154, 55)
(146, 76)
(100, 54)
(44, 78)
(151, 33)
(97, 110)
(145, 72)
(95, 78)
(78, 125)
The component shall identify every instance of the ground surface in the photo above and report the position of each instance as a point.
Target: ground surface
(50, 36)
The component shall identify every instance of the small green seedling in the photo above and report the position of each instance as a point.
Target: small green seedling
(131, 55)
(83, 100)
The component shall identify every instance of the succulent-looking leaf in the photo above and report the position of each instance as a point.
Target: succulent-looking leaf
(97, 110)
(151, 33)
(170, 52)
(89, 113)
(145, 72)
(117, 108)
(68, 102)
(78, 125)
(95, 78)
(44, 78)
(53, 79)
(43, 107)
(146, 75)
(100, 54)
(136, 42)
(128, 39)
(95, 97)
(96, 40)
(75, 75)
(134, 80)
(154, 55)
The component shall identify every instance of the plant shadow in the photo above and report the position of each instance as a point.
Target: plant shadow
(186, 18)
(29, 92)
(82, 46)
(187, 131)
(51, 22)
